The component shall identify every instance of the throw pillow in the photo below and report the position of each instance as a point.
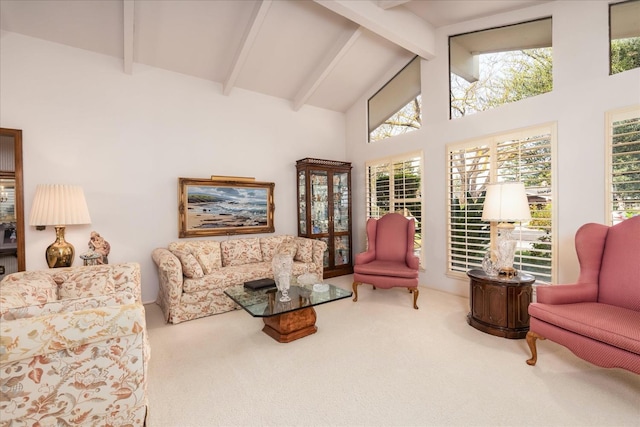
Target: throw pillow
(304, 252)
(208, 255)
(190, 266)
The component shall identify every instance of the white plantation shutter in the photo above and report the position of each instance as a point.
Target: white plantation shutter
(528, 159)
(394, 185)
(525, 156)
(378, 189)
(468, 173)
(623, 189)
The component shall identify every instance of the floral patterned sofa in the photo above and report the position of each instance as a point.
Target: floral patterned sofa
(194, 274)
(73, 347)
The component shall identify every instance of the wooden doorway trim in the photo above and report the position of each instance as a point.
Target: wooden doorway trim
(16, 134)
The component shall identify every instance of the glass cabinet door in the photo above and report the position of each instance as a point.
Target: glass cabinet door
(341, 251)
(319, 202)
(8, 231)
(340, 202)
(302, 203)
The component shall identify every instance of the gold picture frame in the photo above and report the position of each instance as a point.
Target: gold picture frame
(221, 208)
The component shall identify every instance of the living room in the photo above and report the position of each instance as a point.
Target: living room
(127, 138)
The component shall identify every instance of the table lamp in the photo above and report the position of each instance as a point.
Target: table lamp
(59, 205)
(505, 203)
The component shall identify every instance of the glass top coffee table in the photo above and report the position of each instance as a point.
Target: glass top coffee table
(286, 321)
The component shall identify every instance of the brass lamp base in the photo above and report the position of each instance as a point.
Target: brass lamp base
(508, 272)
(60, 253)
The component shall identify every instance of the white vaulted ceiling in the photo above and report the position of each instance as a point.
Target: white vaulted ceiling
(325, 53)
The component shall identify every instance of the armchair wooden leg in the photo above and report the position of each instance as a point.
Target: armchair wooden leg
(415, 293)
(531, 340)
(355, 291)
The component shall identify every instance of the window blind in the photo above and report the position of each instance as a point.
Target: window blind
(623, 189)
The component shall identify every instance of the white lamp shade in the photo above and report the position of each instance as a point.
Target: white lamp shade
(506, 201)
(56, 204)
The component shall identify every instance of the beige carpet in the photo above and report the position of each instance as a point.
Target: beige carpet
(376, 362)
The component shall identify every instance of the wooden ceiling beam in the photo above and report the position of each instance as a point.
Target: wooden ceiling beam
(249, 37)
(324, 68)
(128, 35)
(397, 25)
(388, 4)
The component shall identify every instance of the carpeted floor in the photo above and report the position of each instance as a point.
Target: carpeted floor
(376, 362)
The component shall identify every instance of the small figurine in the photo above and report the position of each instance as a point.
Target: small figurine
(100, 246)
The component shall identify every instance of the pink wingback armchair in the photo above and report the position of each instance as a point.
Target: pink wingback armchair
(389, 261)
(597, 318)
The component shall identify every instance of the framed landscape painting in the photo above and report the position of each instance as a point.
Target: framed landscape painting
(217, 208)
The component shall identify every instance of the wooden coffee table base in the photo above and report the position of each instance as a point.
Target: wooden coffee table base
(290, 326)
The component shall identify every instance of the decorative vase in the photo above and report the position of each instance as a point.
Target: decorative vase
(281, 266)
(488, 265)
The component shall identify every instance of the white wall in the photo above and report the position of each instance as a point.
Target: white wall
(127, 138)
(583, 91)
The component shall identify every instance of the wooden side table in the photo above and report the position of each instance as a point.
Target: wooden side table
(499, 305)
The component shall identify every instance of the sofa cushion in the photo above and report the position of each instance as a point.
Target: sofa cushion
(616, 326)
(269, 245)
(304, 252)
(28, 288)
(214, 280)
(386, 268)
(287, 248)
(84, 282)
(67, 305)
(240, 251)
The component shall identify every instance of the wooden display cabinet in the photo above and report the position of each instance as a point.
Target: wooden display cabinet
(324, 210)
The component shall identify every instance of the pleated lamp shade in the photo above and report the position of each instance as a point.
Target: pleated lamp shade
(56, 204)
(506, 201)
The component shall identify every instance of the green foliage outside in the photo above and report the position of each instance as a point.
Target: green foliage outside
(540, 254)
(408, 118)
(625, 54)
(504, 77)
(626, 167)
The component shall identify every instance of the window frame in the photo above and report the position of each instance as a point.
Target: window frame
(611, 117)
(395, 79)
(491, 142)
(468, 69)
(625, 26)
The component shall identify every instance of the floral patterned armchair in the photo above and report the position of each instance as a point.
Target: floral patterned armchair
(73, 347)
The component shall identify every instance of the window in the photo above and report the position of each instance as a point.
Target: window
(623, 189)
(397, 107)
(497, 66)
(525, 156)
(402, 194)
(624, 36)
